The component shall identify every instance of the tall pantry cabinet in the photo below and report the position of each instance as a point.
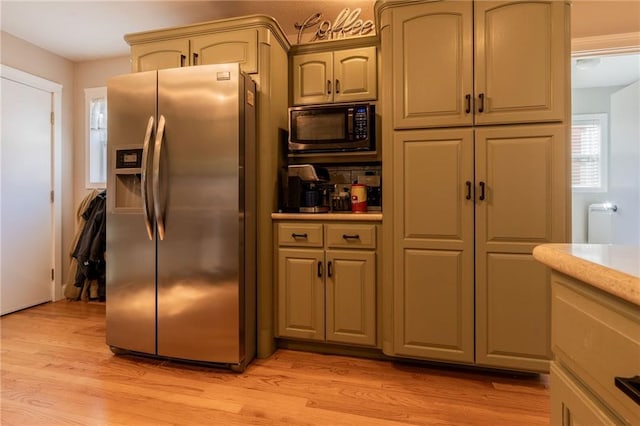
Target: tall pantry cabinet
(258, 43)
(475, 108)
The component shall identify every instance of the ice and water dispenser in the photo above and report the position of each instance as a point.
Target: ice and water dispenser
(128, 176)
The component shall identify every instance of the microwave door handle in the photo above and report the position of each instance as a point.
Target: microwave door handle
(156, 177)
(143, 179)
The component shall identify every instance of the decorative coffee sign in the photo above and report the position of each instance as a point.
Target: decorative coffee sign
(346, 24)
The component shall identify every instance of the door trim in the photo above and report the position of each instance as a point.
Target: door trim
(55, 90)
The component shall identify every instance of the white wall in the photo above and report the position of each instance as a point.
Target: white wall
(624, 175)
(588, 101)
(17, 53)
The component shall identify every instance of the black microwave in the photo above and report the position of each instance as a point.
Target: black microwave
(332, 128)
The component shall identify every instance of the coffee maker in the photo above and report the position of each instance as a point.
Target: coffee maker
(307, 189)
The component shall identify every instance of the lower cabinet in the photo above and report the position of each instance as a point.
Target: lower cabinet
(469, 207)
(596, 347)
(327, 282)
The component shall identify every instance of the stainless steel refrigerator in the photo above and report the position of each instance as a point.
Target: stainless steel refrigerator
(181, 221)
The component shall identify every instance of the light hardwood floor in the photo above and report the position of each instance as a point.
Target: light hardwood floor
(57, 370)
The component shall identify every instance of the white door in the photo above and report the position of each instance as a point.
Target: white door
(25, 200)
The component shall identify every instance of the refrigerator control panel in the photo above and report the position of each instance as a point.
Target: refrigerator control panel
(129, 158)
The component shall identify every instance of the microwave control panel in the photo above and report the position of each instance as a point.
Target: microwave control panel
(360, 120)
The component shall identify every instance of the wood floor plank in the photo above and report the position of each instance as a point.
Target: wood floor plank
(55, 369)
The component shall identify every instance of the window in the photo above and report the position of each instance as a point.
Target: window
(96, 134)
(589, 153)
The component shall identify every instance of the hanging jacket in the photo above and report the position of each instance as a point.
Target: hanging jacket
(90, 250)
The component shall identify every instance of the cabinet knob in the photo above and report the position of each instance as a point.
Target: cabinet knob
(482, 190)
(330, 269)
(320, 269)
(328, 87)
(337, 86)
(195, 58)
(468, 196)
(296, 236)
(468, 103)
(183, 59)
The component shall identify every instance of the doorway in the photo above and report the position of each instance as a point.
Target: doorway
(606, 177)
(29, 217)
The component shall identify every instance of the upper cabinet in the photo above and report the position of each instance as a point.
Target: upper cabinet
(515, 46)
(337, 76)
(201, 44)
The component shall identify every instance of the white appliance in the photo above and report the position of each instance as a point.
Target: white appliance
(600, 225)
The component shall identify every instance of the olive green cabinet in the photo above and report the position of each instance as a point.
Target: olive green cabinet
(326, 282)
(347, 75)
(477, 176)
(219, 47)
(470, 205)
(458, 63)
(596, 343)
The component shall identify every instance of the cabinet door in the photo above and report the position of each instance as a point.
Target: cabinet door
(159, 55)
(432, 60)
(221, 48)
(355, 75)
(522, 180)
(351, 297)
(433, 244)
(301, 293)
(520, 61)
(313, 78)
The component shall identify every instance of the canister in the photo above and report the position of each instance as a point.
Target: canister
(358, 198)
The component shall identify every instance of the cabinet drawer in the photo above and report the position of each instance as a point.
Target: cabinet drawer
(572, 405)
(300, 235)
(597, 337)
(352, 236)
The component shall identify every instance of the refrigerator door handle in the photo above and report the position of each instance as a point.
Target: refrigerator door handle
(156, 178)
(143, 180)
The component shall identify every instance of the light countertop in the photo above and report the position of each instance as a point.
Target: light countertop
(612, 268)
(347, 216)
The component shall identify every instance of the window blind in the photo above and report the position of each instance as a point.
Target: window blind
(586, 153)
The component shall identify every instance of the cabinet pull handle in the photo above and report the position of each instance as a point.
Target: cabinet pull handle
(482, 189)
(337, 86)
(296, 236)
(468, 103)
(320, 269)
(330, 269)
(183, 58)
(630, 386)
(195, 59)
(468, 196)
(481, 103)
(351, 237)
(328, 87)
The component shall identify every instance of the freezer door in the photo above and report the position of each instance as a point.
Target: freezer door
(131, 255)
(199, 181)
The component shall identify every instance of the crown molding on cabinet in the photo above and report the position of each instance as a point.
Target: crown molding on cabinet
(606, 44)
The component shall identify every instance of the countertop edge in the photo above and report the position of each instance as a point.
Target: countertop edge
(610, 280)
(355, 217)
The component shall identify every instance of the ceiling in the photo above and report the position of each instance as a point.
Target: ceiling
(90, 30)
(605, 71)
